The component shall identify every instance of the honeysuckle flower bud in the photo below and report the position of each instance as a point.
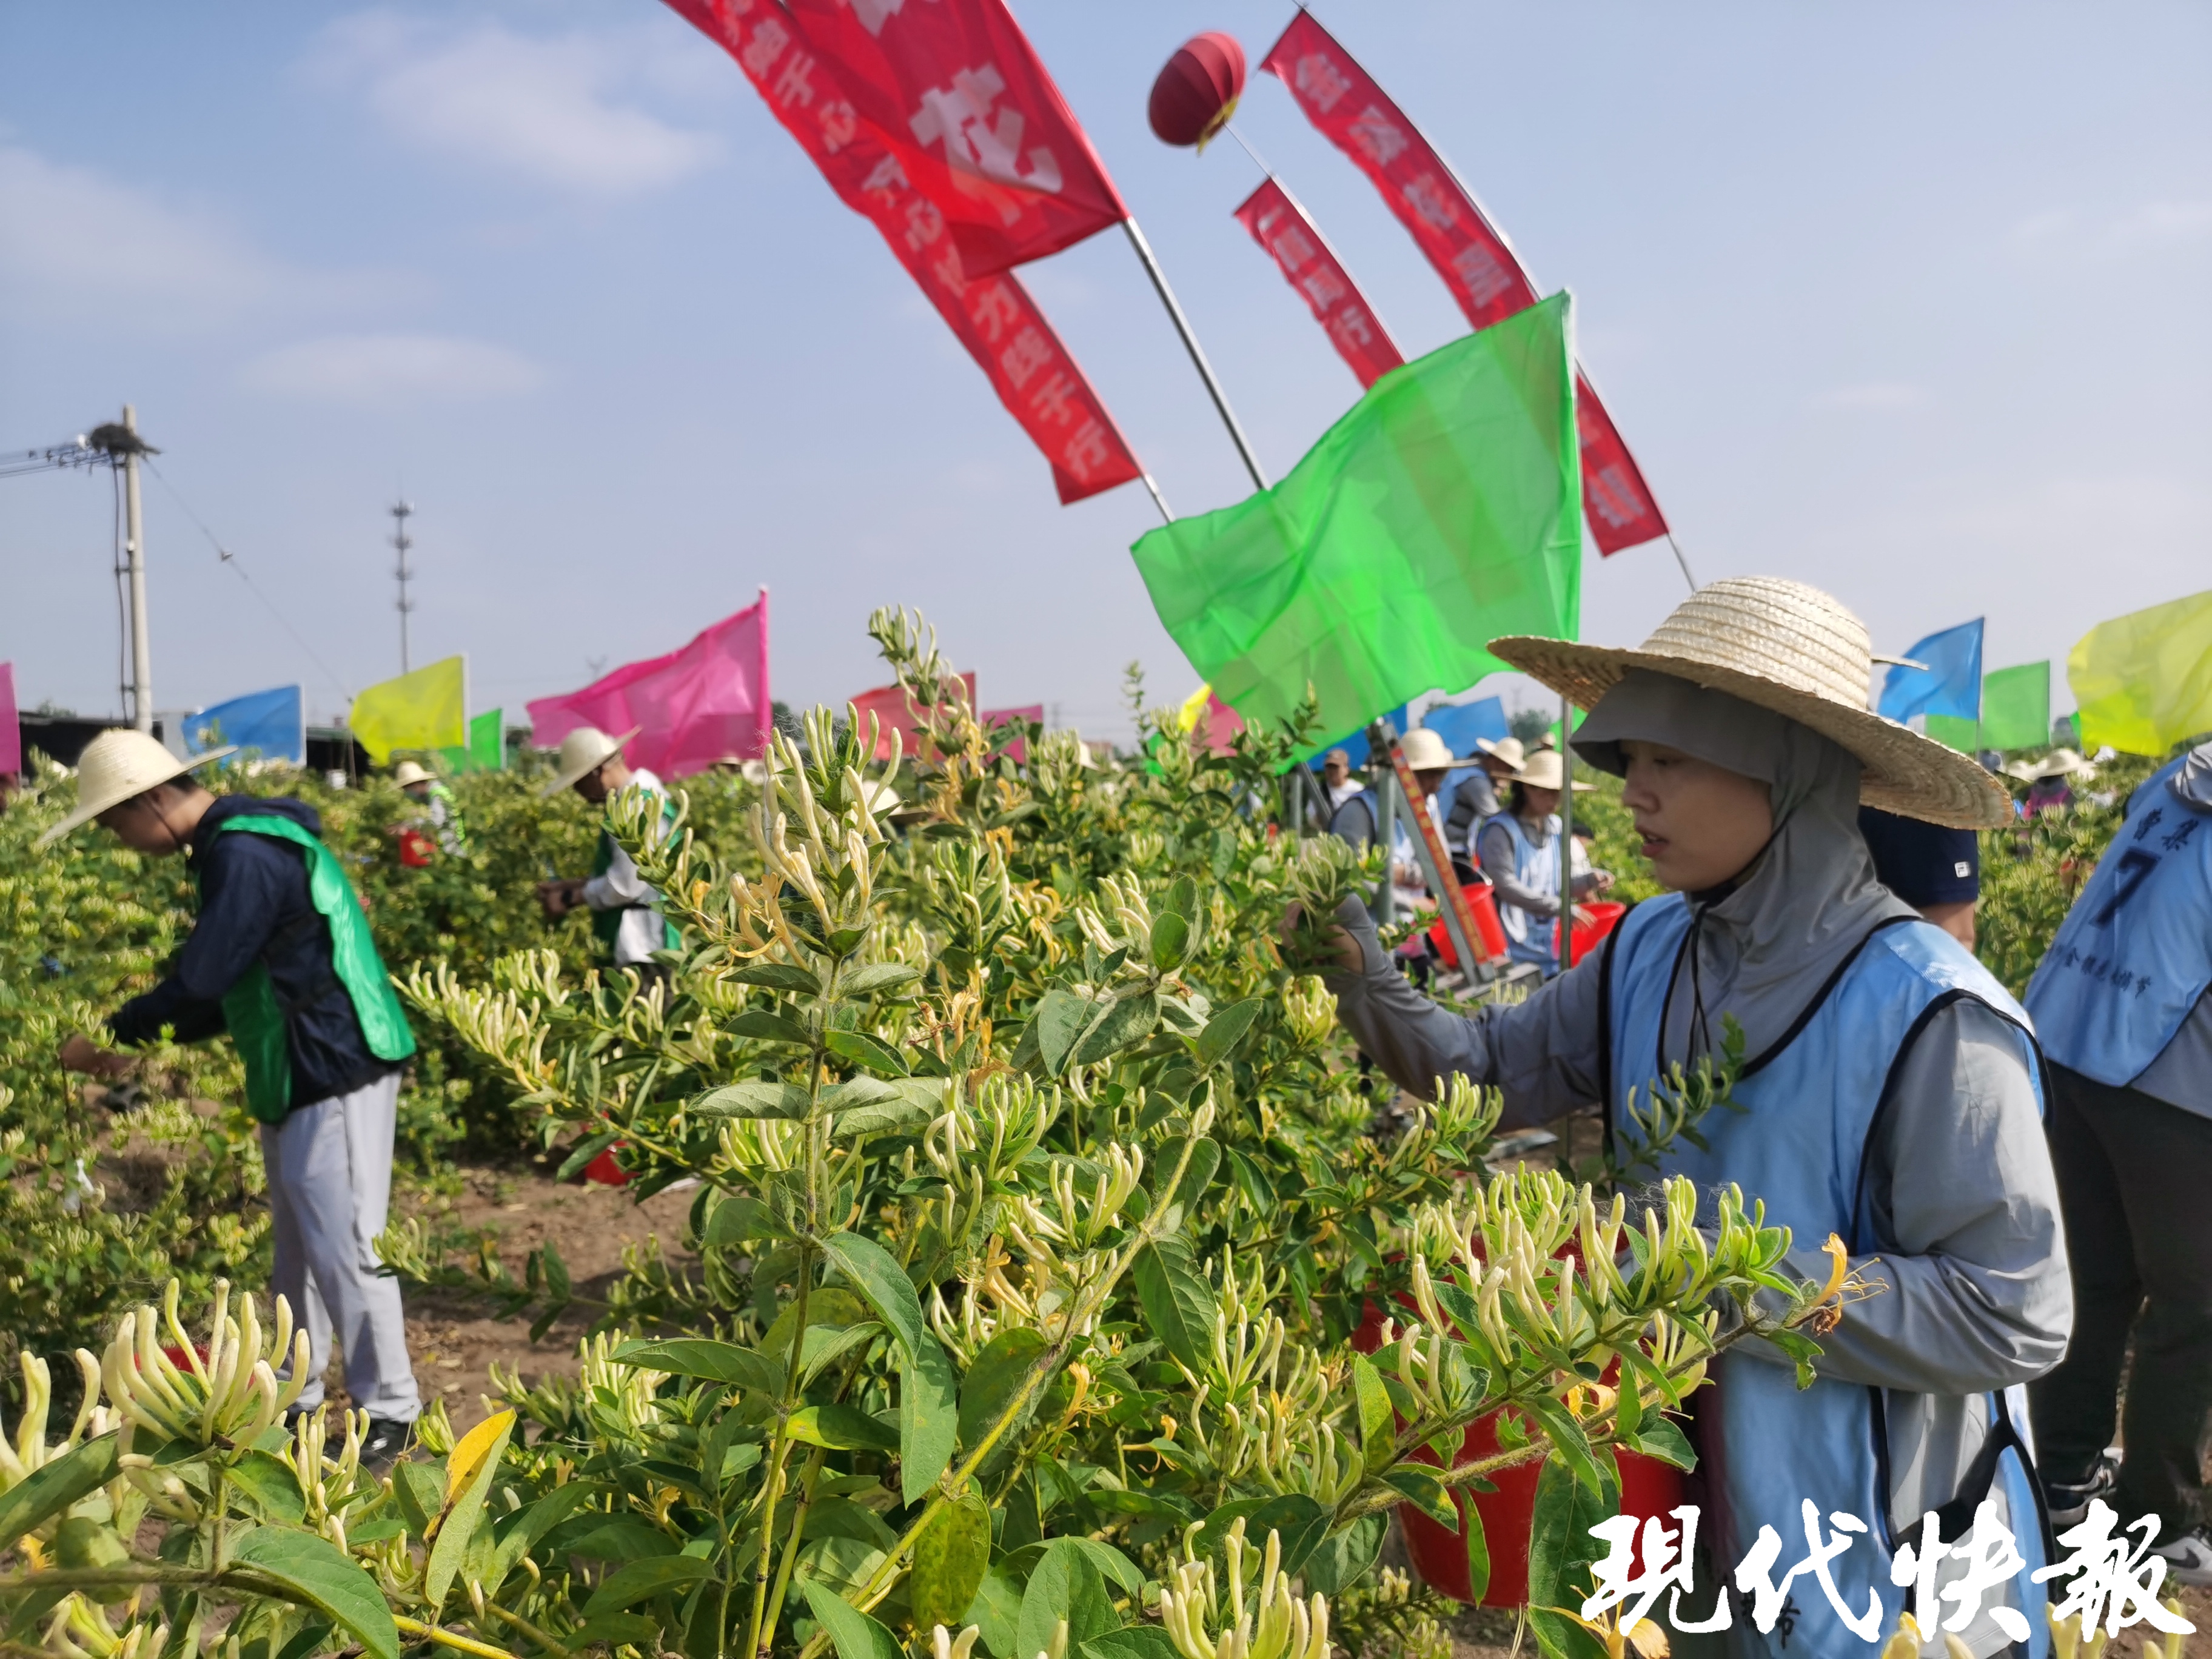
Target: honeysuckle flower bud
(943, 1645)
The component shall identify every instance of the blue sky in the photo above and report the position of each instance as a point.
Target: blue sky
(1907, 301)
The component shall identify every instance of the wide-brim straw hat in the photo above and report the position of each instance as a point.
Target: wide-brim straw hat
(119, 764)
(1793, 649)
(2058, 763)
(408, 772)
(1545, 769)
(587, 749)
(1425, 751)
(1508, 750)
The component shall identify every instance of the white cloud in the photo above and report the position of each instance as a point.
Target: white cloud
(385, 370)
(1873, 394)
(547, 109)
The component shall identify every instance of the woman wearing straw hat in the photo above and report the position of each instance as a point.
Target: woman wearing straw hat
(1519, 850)
(1890, 1095)
(280, 957)
(2051, 781)
(625, 916)
(443, 812)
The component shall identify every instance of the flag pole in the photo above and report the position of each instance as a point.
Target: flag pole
(1197, 356)
(1566, 939)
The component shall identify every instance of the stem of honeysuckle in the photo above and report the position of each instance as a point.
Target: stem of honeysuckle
(446, 1639)
(806, 1478)
(1080, 1312)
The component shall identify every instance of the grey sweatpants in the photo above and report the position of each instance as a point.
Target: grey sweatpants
(329, 1184)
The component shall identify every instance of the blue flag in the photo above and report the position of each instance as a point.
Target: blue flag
(1355, 744)
(271, 724)
(1950, 685)
(1459, 723)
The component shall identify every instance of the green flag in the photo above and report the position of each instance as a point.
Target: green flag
(2144, 680)
(486, 751)
(2016, 707)
(1954, 733)
(1444, 509)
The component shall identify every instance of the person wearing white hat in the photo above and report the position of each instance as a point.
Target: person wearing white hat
(2051, 781)
(1890, 1093)
(443, 811)
(1519, 850)
(1475, 803)
(280, 957)
(626, 918)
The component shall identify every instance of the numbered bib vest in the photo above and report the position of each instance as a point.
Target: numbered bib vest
(1530, 938)
(1813, 1102)
(259, 1018)
(2133, 954)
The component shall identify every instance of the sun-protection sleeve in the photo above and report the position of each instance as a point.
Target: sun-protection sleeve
(1542, 1054)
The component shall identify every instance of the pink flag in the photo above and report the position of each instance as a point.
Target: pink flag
(1469, 253)
(11, 735)
(707, 702)
(895, 712)
(1280, 224)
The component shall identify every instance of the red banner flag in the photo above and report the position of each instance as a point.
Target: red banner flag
(958, 90)
(1033, 373)
(1281, 224)
(701, 704)
(1470, 253)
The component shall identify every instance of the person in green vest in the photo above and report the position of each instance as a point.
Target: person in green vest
(443, 811)
(625, 915)
(280, 957)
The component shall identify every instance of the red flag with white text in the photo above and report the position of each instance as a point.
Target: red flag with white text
(1469, 253)
(955, 86)
(1281, 225)
(1033, 373)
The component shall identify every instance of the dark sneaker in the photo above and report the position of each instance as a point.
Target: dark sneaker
(381, 1446)
(2070, 1503)
(2188, 1558)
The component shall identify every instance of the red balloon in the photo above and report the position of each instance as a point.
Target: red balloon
(1197, 92)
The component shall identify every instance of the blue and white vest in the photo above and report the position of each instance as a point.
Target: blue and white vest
(2133, 954)
(1814, 1100)
(1530, 937)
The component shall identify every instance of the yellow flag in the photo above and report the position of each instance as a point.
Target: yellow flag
(2144, 680)
(426, 710)
(1194, 706)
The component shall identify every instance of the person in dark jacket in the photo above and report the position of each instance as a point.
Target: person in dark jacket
(281, 959)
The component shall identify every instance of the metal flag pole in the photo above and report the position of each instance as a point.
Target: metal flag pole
(1197, 356)
(1385, 906)
(1681, 560)
(1566, 940)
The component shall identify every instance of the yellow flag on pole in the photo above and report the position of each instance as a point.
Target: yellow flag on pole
(426, 710)
(2144, 680)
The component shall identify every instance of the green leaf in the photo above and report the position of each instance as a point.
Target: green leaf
(614, 1630)
(272, 1486)
(420, 1488)
(929, 1424)
(1170, 935)
(858, 1048)
(1560, 1551)
(876, 978)
(1059, 1019)
(1628, 1408)
(998, 1602)
(874, 1272)
(582, 1153)
(705, 1358)
(1182, 899)
(1299, 1522)
(951, 1555)
(855, 1635)
(1426, 1492)
(1377, 1423)
(1567, 1439)
(47, 1492)
(776, 976)
(993, 1381)
(1129, 1020)
(856, 1091)
(312, 1571)
(823, 1344)
(1341, 1561)
(740, 1220)
(625, 1539)
(759, 1024)
(881, 1119)
(459, 1525)
(1179, 1304)
(841, 1428)
(1205, 1159)
(626, 1586)
(778, 1100)
(1065, 1585)
(1137, 1642)
(1222, 1031)
(1477, 1539)
(1660, 1437)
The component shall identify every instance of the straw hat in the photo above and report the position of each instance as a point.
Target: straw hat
(119, 764)
(407, 772)
(1425, 751)
(1545, 770)
(2058, 763)
(1508, 750)
(1793, 649)
(587, 749)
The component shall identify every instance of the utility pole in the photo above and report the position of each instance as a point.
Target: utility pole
(400, 513)
(142, 654)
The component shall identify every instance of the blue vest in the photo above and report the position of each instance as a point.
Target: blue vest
(1530, 937)
(1813, 1101)
(2135, 953)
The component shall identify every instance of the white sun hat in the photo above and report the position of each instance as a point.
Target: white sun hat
(1545, 770)
(587, 749)
(408, 772)
(1794, 650)
(1508, 750)
(119, 764)
(2058, 763)
(1425, 752)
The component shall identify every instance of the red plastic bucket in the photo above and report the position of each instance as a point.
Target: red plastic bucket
(1482, 901)
(1586, 936)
